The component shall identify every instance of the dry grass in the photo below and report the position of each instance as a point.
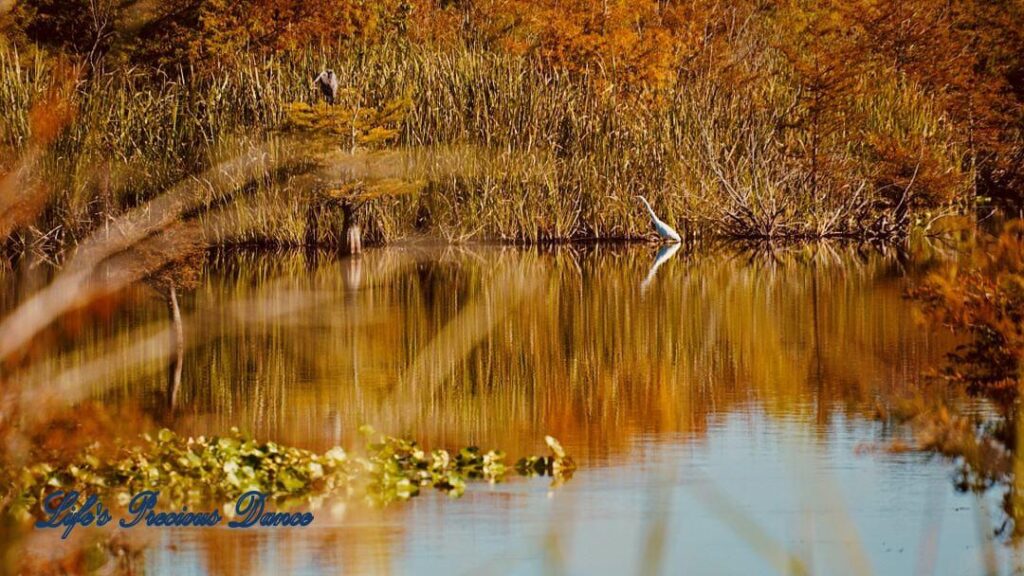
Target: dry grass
(499, 148)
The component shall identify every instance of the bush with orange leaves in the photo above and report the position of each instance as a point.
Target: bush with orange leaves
(631, 46)
(983, 298)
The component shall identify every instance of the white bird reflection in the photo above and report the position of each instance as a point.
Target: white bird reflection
(664, 253)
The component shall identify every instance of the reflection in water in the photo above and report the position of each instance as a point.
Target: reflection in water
(665, 253)
(499, 346)
(727, 366)
(177, 362)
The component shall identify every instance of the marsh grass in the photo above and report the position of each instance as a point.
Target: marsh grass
(544, 155)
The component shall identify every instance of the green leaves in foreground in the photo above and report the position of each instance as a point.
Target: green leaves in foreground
(218, 469)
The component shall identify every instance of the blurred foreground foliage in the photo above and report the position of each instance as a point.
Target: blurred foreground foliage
(981, 298)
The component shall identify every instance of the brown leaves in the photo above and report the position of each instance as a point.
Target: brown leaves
(628, 46)
(984, 301)
(224, 30)
(912, 171)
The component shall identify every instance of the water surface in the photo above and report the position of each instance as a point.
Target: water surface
(723, 405)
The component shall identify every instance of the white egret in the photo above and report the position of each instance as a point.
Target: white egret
(666, 232)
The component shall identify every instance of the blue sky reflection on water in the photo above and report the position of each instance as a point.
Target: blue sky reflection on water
(814, 494)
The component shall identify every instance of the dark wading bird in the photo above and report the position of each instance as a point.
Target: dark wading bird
(327, 82)
(666, 232)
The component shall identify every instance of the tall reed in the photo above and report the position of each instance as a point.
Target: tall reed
(544, 155)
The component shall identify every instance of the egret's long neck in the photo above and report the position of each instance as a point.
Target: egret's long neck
(649, 209)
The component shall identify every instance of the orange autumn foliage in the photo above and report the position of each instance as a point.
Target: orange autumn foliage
(220, 32)
(628, 44)
(231, 27)
(964, 58)
(984, 300)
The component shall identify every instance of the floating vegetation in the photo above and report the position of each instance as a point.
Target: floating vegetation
(559, 465)
(219, 469)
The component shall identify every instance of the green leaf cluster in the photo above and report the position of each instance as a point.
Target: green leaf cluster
(193, 471)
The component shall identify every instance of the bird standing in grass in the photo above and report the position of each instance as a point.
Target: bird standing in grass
(666, 232)
(327, 82)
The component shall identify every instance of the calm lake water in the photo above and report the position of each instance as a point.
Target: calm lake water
(722, 406)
